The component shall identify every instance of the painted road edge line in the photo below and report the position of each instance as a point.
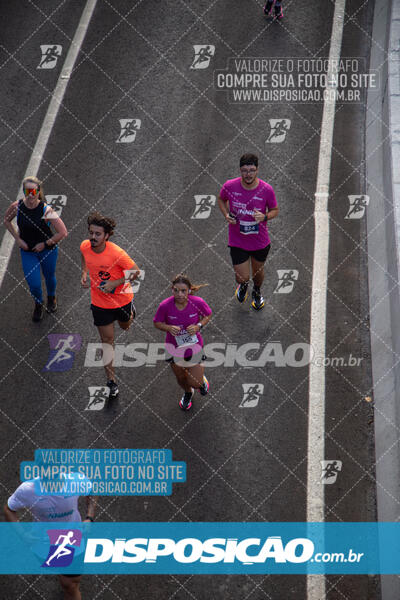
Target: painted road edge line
(316, 393)
(8, 241)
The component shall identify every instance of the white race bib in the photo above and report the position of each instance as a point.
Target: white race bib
(247, 227)
(185, 339)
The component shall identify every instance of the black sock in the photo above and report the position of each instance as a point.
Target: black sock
(256, 288)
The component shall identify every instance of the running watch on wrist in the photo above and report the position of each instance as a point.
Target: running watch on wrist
(199, 325)
(265, 218)
(90, 518)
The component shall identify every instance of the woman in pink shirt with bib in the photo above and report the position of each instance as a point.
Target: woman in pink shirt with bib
(182, 316)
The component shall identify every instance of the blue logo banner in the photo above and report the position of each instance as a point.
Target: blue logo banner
(200, 548)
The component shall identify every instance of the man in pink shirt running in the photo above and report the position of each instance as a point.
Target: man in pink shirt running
(248, 203)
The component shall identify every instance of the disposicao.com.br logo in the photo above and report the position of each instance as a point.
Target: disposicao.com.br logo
(191, 550)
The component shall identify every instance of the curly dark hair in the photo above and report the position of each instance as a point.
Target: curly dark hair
(108, 224)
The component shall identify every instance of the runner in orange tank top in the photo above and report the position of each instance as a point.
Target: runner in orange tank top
(111, 293)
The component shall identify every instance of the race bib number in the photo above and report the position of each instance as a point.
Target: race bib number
(185, 339)
(247, 227)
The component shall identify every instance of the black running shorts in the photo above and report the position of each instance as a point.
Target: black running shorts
(106, 316)
(189, 360)
(239, 256)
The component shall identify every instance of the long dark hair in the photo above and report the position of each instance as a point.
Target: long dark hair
(181, 278)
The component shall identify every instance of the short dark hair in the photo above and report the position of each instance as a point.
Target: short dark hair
(108, 224)
(249, 159)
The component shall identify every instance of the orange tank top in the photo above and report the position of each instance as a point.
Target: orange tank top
(104, 266)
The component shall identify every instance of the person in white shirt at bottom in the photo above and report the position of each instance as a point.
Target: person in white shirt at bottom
(52, 509)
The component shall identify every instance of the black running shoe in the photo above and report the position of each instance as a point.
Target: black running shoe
(268, 7)
(257, 301)
(114, 391)
(51, 304)
(185, 402)
(278, 12)
(241, 292)
(38, 312)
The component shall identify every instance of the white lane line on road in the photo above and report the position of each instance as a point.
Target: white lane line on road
(316, 394)
(8, 241)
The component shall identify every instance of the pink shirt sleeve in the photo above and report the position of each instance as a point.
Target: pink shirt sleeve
(271, 199)
(160, 315)
(224, 193)
(203, 307)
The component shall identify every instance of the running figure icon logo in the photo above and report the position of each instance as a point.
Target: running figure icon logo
(62, 351)
(50, 55)
(202, 56)
(251, 394)
(278, 130)
(62, 547)
(132, 287)
(357, 206)
(330, 470)
(129, 128)
(287, 279)
(203, 206)
(98, 397)
(56, 203)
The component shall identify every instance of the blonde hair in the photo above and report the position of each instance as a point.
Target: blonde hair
(36, 181)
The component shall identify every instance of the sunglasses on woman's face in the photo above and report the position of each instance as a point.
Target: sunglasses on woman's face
(32, 191)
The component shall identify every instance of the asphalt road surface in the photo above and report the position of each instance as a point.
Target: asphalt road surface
(246, 454)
